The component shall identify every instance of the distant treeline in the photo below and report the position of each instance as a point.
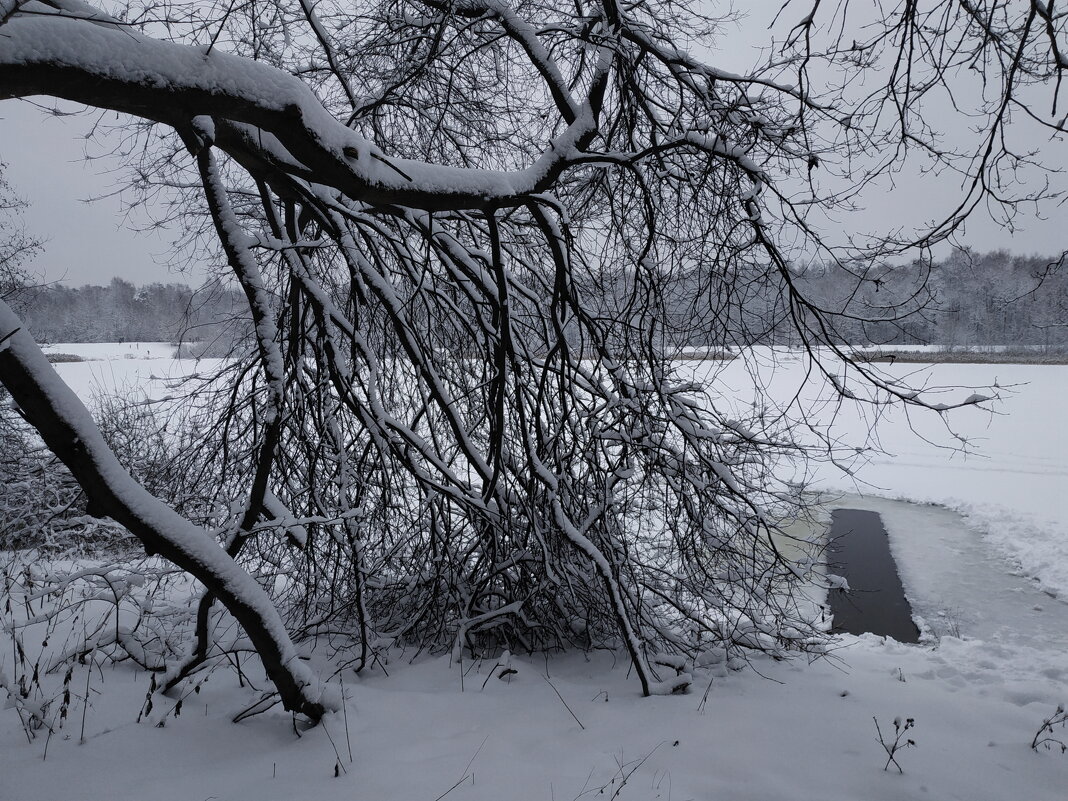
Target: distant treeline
(123, 312)
(965, 300)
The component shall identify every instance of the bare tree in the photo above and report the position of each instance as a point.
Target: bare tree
(457, 225)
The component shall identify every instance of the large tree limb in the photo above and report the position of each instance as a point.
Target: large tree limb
(68, 429)
(114, 67)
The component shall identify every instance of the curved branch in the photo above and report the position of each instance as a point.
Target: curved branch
(69, 430)
(112, 67)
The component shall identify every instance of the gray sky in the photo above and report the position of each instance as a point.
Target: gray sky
(90, 242)
(87, 239)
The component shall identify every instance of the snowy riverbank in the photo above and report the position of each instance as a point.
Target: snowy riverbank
(987, 584)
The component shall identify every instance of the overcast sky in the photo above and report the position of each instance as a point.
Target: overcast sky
(89, 241)
(71, 203)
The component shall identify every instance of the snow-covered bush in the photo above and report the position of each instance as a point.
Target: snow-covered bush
(44, 508)
(63, 616)
(41, 505)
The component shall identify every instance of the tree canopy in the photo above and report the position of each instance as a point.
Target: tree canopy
(446, 432)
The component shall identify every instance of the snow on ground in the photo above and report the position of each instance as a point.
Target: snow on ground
(128, 369)
(960, 587)
(987, 586)
(1010, 483)
(1012, 487)
(113, 351)
(803, 732)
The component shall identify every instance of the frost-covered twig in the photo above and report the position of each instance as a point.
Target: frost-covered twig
(893, 747)
(1045, 736)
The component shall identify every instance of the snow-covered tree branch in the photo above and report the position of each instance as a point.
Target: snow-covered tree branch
(458, 226)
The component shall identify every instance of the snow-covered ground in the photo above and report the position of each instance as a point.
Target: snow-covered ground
(128, 368)
(1010, 482)
(113, 351)
(1012, 487)
(986, 571)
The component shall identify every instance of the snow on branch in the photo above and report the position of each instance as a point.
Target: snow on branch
(70, 431)
(114, 67)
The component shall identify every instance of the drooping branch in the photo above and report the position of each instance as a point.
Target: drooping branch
(70, 432)
(486, 443)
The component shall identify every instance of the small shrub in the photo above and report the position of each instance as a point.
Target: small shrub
(1045, 737)
(62, 358)
(892, 747)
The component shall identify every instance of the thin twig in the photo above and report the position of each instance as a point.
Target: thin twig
(464, 777)
(345, 712)
(562, 701)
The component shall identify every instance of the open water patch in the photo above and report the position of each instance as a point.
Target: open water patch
(875, 601)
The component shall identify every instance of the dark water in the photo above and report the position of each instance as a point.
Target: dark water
(876, 601)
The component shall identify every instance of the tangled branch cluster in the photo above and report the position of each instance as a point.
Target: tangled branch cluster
(457, 224)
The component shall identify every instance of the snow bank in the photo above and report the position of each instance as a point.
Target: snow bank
(807, 734)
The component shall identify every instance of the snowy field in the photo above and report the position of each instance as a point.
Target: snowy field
(128, 369)
(986, 570)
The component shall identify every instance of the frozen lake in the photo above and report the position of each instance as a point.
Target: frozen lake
(980, 575)
(1010, 486)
